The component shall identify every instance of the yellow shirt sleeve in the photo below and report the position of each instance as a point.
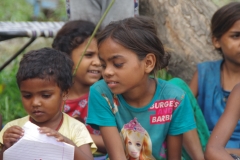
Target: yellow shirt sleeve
(77, 132)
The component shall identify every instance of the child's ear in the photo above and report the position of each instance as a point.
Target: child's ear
(150, 61)
(216, 43)
(65, 95)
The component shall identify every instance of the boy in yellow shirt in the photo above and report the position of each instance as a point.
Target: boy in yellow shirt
(44, 77)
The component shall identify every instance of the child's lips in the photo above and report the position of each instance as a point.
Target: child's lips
(112, 84)
(94, 71)
(38, 113)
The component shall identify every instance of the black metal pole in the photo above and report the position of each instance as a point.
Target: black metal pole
(16, 54)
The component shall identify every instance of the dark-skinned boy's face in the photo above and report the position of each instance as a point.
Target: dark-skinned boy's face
(42, 100)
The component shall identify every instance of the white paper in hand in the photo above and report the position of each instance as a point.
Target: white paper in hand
(36, 146)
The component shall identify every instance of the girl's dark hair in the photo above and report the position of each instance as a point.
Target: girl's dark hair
(224, 18)
(72, 34)
(46, 63)
(138, 34)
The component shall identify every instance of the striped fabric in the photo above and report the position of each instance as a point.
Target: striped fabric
(28, 29)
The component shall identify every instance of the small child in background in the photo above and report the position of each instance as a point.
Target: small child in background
(149, 113)
(72, 39)
(214, 80)
(44, 77)
(224, 128)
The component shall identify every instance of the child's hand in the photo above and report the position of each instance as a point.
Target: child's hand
(56, 134)
(12, 135)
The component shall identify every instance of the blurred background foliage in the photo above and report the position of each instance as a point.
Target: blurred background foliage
(12, 10)
(21, 10)
(26, 10)
(223, 2)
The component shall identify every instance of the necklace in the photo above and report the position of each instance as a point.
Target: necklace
(59, 125)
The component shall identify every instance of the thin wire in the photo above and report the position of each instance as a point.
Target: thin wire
(93, 34)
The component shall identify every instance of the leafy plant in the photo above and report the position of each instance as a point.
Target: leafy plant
(15, 10)
(10, 99)
(22, 10)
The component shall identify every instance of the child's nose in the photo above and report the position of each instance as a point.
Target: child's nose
(108, 71)
(96, 61)
(36, 102)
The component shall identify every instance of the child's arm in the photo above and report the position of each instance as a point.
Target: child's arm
(194, 84)
(1, 151)
(224, 128)
(191, 140)
(113, 143)
(192, 145)
(81, 152)
(97, 139)
(233, 151)
(174, 147)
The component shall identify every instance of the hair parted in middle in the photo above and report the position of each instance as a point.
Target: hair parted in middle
(138, 34)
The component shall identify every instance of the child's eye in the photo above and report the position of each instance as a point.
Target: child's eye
(26, 96)
(235, 35)
(88, 55)
(118, 65)
(46, 95)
